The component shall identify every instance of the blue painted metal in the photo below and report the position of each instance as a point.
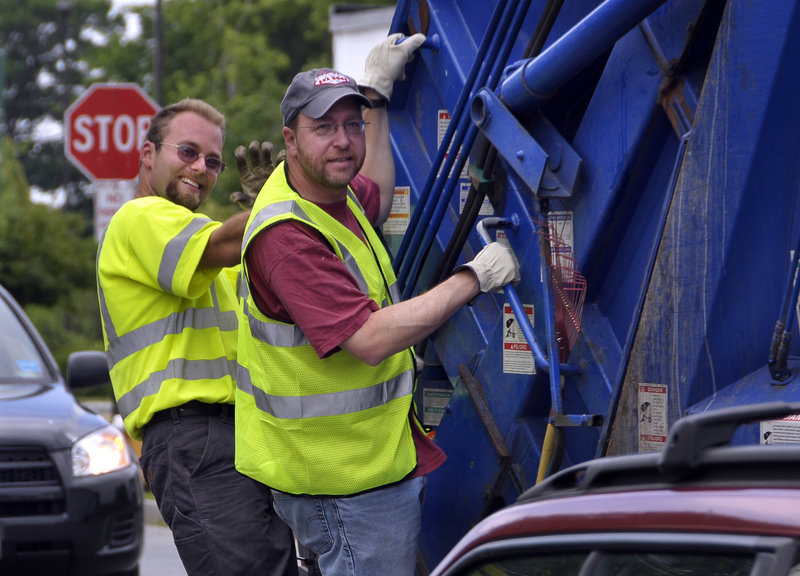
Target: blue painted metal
(533, 82)
(412, 238)
(513, 141)
(442, 183)
(668, 130)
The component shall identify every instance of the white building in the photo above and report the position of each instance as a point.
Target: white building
(355, 30)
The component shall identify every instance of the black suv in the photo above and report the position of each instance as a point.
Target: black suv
(707, 505)
(70, 486)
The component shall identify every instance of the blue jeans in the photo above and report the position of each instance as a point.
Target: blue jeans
(370, 533)
(222, 521)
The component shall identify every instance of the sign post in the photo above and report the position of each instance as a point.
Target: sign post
(104, 130)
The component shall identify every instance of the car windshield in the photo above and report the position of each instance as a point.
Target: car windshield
(20, 359)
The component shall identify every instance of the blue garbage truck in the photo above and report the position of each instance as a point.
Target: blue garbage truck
(642, 160)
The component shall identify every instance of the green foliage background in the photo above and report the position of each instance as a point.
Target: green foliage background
(238, 55)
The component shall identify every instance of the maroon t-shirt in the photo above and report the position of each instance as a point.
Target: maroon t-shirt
(297, 278)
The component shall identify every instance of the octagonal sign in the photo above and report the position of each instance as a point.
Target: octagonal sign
(105, 128)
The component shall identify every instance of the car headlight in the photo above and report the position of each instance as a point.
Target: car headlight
(100, 452)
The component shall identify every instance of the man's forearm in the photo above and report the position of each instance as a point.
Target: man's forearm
(397, 327)
(224, 247)
(379, 161)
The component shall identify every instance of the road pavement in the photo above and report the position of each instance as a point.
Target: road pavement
(159, 557)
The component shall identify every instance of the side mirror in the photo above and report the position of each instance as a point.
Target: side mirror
(87, 369)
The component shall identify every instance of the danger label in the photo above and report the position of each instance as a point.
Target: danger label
(464, 187)
(652, 415)
(517, 354)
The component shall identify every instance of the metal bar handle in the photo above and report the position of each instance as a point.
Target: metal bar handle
(513, 299)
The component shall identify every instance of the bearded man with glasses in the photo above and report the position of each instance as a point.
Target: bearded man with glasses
(166, 278)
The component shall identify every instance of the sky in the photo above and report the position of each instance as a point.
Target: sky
(122, 4)
(131, 20)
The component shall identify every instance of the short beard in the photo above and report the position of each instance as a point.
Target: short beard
(171, 194)
(316, 173)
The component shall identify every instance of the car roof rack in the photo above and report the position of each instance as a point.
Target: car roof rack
(698, 451)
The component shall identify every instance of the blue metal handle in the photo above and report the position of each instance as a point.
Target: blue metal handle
(432, 42)
(514, 301)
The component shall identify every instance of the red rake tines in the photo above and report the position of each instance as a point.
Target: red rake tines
(569, 285)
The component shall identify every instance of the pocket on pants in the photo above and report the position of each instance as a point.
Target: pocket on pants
(306, 517)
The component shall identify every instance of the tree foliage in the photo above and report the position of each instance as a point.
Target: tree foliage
(47, 263)
(48, 48)
(238, 55)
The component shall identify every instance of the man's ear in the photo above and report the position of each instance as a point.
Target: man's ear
(290, 138)
(147, 154)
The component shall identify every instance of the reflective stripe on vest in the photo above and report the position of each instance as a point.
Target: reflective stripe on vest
(180, 369)
(332, 404)
(290, 335)
(173, 251)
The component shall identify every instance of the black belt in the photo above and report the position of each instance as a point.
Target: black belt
(193, 408)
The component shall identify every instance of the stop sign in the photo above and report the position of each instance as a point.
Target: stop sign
(105, 128)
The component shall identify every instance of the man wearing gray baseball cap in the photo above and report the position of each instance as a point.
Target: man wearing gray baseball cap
(324, 410)
(315, 91)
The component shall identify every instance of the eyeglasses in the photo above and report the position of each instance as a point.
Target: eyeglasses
(351, 128)
(189, 155)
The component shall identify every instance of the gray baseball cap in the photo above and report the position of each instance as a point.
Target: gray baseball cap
(313, 92)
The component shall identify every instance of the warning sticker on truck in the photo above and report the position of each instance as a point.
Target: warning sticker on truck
(517, 354)
(562, 227)
(397, 222)
(652, 417)
(435, 401)
(443, 122)
(784, 431)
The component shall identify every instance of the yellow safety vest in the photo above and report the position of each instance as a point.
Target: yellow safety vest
(306, 425)
(170, 330)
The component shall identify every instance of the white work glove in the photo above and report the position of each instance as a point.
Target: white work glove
(386, 63)
(494, 267)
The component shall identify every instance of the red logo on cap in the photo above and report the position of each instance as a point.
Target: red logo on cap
(331, 78)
